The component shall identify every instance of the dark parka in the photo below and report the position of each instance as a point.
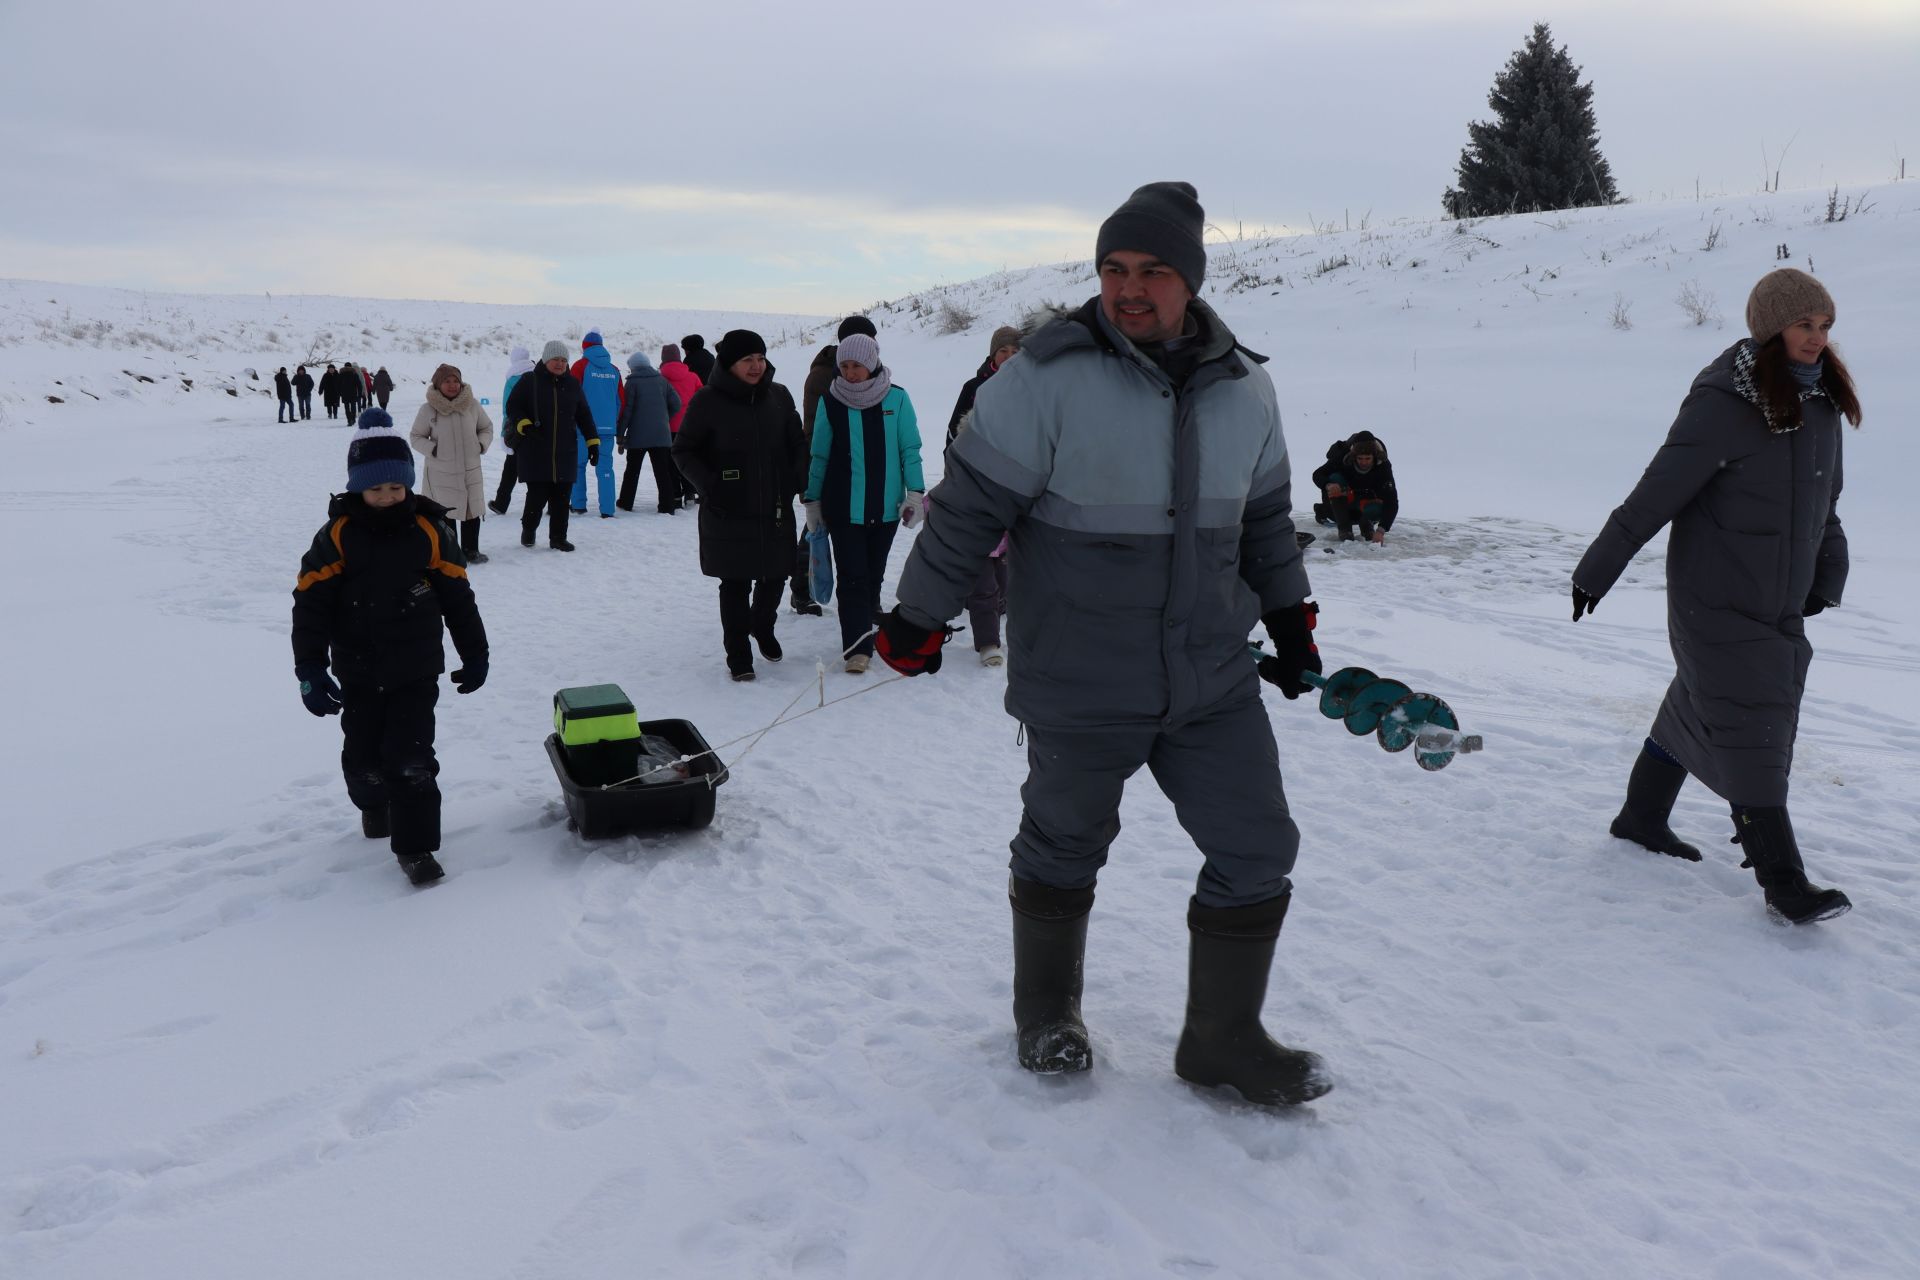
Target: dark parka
(376, 589)
(282, 385)
(547, 421)
(1756, 530)
(303, 384)
(968, 390)
(1150, 518)
(820, 376)
(383, 383)
(1372, 485)
(648, 408)
(330, 387)
(694, 354)
(740, 447)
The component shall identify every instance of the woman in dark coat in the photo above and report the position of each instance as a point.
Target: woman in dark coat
(645, 431)
(1749, 478)
(330, 391)
(547, 418)
(740, 446)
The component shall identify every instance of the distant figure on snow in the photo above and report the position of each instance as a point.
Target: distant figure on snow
(697, 357)
(330, 391)
(606, 393)
(685, 383)
(382, 386)
(649, 406)
(283, 391)
(518, 363)
(1749, 479)
(453, 431)
(303, 392)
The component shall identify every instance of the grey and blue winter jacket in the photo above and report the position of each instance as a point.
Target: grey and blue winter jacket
(863, 461)
(1150, 526)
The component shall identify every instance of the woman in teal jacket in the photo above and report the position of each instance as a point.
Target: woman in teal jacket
(864, 484)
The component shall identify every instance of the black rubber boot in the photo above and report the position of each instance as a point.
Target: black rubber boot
(1651, 791)
(421, 868)
(1223, 1043)
(374, 824)
(1767, 837)
(1049, 954)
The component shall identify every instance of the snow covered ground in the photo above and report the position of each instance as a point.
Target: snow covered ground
(233, 1042)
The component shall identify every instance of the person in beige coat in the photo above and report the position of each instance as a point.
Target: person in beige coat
(452, 430)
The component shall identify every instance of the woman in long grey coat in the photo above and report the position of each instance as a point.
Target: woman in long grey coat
(452, 430)
(1749, 478)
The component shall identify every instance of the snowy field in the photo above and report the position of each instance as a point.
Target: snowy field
(234, 1043)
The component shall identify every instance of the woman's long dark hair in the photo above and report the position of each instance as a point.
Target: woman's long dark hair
(1782, 393)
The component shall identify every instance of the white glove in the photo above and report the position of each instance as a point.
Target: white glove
(816, 519)
(912, 508)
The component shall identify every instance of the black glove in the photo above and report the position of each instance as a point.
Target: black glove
(470, 677)
(1583, 603)
(906, 648)
(1813, 605)
(1294, 652)
(318, 691)
(593, 455)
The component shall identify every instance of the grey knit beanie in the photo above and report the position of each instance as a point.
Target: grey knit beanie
(1165, 220)
(552, 349)
(860, 349)
(1783, 297)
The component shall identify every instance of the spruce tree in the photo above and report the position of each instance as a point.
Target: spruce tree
(1542, 148)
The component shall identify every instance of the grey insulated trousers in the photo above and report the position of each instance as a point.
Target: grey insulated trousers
(1222, 772)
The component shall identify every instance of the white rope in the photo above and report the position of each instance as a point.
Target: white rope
(820, 676)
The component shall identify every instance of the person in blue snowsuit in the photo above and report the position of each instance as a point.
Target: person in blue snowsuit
(604, 387)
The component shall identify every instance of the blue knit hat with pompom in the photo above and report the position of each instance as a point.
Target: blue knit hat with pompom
(378, 454)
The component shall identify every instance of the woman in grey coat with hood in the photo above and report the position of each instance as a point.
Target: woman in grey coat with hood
(644, 431)
(1749, 478)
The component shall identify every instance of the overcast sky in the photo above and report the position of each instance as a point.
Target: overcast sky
(817, 157)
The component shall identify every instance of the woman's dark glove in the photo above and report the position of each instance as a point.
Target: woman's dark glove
(470, 677)
(1583, 603)
(1813, 605)
(1294, 652)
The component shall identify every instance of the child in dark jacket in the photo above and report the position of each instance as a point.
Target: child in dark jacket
(382, 582)
(1356, 488)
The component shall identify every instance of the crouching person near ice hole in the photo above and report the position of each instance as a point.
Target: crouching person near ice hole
(863, 483)
(453, 431)
(740, 446)
(1357, 488)
(1144, 562)
(383, 579)
(1749, 478)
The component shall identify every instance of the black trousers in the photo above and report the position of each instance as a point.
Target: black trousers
(470, 537)
(509, 472)
(666, 479)
(859, 563)
(741, 619)
(388, 758)
(550, 496)
(802, 571)
(333, 408)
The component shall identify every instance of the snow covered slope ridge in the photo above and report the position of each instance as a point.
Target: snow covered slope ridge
(234, 1043)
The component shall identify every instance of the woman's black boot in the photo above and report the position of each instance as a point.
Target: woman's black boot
(1049, 954)
(1231, 952)
(1651, 791)
(1767, 837)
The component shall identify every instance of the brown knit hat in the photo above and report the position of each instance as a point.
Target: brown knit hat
(1783, 297)
(1005, 336)
(440, 375)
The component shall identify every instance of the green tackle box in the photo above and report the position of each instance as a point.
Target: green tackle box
(594, 713)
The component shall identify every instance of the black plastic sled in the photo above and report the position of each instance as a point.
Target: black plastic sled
(632, 804)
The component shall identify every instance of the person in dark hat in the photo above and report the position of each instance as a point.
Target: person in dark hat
(740, 446)
(549, 422)
(382, 583)
(1357, 489)
(1142, 563)
(694, 353)
(1749, 477)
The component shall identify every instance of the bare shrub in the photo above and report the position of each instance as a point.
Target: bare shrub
(1838, 210)
(953, 318)
(1328, 265)
(1713, 239)
(1621, 317)
(1699, 303)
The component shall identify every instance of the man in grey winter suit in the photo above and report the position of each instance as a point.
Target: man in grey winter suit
(1133, 452)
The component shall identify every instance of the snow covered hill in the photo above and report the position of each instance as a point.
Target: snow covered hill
(234, 1043)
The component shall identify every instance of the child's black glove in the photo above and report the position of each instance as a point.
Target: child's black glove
(470, 677)
(318, 691)
(1294, 652)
